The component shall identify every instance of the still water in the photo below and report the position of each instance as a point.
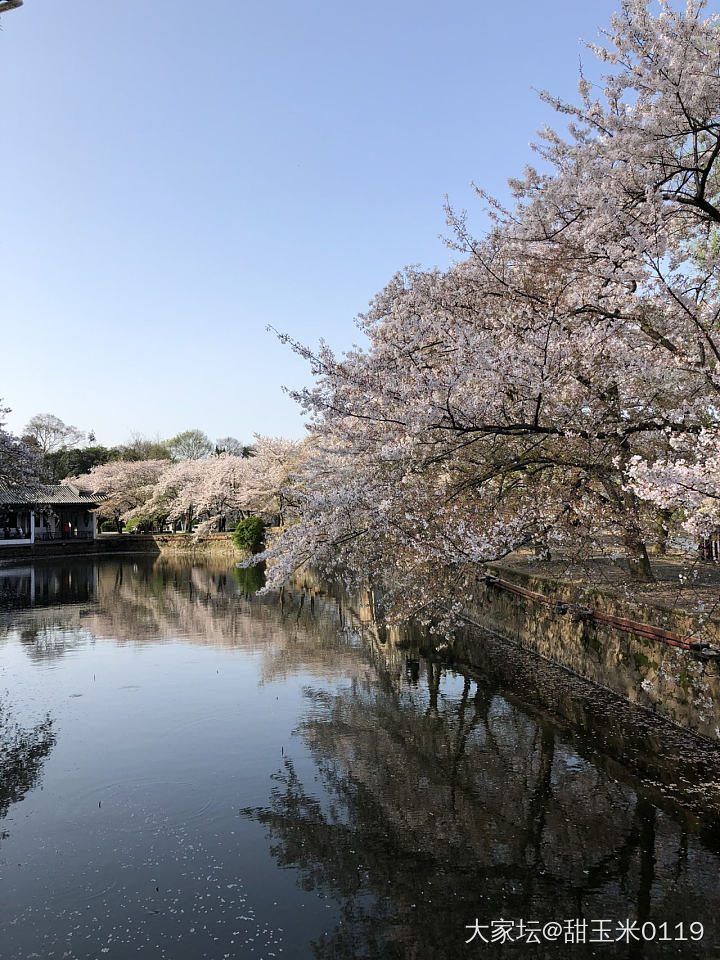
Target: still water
(191, 771)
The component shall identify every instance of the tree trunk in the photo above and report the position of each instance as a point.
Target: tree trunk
(637, 558)
(635, 551)
(659, 547)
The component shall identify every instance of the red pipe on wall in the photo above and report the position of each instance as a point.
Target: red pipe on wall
(703, 649)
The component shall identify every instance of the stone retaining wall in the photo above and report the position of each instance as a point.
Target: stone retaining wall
(665, 679)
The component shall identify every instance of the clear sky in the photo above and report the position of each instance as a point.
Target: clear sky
(177, 175)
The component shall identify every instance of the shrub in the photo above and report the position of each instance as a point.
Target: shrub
(108, 526)
(249, 534)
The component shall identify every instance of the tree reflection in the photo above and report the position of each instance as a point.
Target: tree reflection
(142, 600)
(441, 796)
(250, 579)
(442, 801)
(22, 752)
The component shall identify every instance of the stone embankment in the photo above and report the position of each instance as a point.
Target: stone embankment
(664, 659)
(657, 647)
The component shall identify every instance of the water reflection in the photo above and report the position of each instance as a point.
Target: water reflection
(448, 802)
(142, 600)
(250, 579)
(44, 585)
(387, 798)
(22, 752)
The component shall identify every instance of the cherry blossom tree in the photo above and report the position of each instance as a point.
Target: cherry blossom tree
(174, 493)
(125, 486)
(633, 199)
(273, 474)
(201, 493)
(18, 464)
(428, 466)
(626, 214)
(557, 386)
(507, 399)
(219, 490)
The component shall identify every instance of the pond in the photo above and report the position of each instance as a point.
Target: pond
(193, 771)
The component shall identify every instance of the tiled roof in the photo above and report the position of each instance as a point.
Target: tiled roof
(49, 494)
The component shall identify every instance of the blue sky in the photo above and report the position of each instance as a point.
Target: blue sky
(178, 175)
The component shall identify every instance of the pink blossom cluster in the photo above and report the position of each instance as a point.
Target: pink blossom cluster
(688, 483)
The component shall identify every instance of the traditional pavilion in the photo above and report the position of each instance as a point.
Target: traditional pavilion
(34, 512)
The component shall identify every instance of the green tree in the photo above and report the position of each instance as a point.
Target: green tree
(190, 445)
(139, 448)
(72, 463)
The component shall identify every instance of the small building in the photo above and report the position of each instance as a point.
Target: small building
(46, 511)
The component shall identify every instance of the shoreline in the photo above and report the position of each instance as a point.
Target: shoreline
(620, 644)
